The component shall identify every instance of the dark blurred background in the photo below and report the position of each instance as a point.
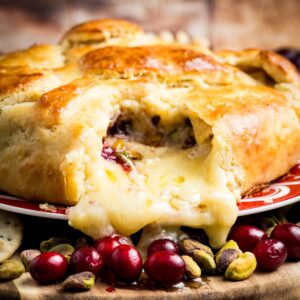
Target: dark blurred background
(225, 23)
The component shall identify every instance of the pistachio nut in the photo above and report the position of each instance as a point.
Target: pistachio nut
(281, 218)
(27, 257)
(267, 222)
(228, 253)
(79, 282)
(11, 269)
(188, 246)
(65, 249)
(242, 267)
(45, 246)
(205, 261)
(269, 230)
(119, 145)
(134, 155)
(192, 270)
(270, 221)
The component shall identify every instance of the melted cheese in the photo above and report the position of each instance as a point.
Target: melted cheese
(169, 186)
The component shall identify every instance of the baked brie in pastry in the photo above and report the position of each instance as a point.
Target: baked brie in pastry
(130, 130)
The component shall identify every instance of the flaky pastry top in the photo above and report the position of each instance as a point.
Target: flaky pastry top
(60, 103)
(118, 49)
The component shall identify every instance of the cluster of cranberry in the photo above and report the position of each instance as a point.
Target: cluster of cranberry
(114, 259)
(270, 252)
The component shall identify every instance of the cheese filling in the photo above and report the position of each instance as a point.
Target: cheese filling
(170, 180)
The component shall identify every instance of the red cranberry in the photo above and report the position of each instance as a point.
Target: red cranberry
(111, 154)
(108, 153)
(247, 236)
(270, 254)
(165, 267)
(86, 259)
(162, 245)
(107, 245)
(48, 267)
(126, 262)
(289, 234)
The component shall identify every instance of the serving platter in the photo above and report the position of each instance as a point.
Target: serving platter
(279, 193)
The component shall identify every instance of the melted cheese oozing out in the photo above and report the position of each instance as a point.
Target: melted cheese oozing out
(169, 186)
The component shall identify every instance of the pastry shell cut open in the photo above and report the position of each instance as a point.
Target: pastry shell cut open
(131, 130)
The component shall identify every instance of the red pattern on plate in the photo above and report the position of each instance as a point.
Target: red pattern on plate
(30, 205)
(284, 191)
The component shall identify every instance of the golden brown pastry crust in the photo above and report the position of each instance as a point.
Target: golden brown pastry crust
(14, 80)
(164, 63)
(48, 108)
(99, 31)
(255, 127)
(37, 56)
(276, 66)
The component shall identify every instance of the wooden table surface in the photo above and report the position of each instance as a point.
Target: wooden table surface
(280, 285)
(225, 23)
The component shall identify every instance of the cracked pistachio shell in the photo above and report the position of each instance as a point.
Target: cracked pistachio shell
(27, 257)
(205, 261)
(192, 270)
(228, 253)
(271, 221)
(64, 249)
(79, 282)
(188, 246)
(11, 269)
(242, 267)
(45, 246)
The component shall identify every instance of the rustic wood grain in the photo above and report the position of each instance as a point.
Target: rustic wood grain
(9, 291)
(255, 23)
(282, 284)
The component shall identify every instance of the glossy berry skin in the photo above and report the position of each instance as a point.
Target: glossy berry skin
(86, 259)
(165, 267)
(107, 245)
(162, 245)
(270, 254)
(247, 236)
(49, 267)
(126, 263)
(289, 234)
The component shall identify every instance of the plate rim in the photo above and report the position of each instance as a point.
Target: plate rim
(37, 211)
(271, 206)
(61, 216)
(34, 213)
